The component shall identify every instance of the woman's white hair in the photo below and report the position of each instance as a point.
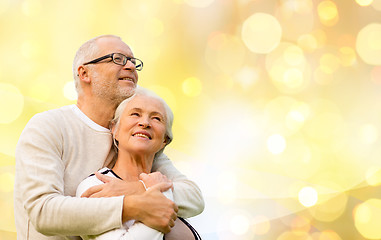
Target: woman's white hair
(86, 53)
(140, 91)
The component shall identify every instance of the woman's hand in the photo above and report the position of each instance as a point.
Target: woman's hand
(153, 178)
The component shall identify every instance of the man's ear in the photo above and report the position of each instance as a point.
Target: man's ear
(83, 74)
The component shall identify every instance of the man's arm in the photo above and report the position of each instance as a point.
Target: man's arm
(39, 187)
(186, 193)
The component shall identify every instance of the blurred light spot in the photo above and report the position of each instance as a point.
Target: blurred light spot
(192, 87)
(308, 196)
(329, 63)
(295, 119)
(376, 4)
(307, 42)
(199, 3)
(298, 6)
(31, 7)
(368, 133)
(227, 187)
(247, 77)
(7, 180)
(293, 55)
(329, 235)
(166, 94)
(364, 2)
(321, 37)
(12, 103)
(331, 209)
(239, 224)
(322, 77)
(225, 53)
(300, 224)
(367, 218)
(276, 144)
(328, 13)
(347, 56)
(294, 236)
(262, 225)
(69, 91)
(376, 75)
(373, 176)
(154, 26)
(261, 33)
(288, 68)
(293, 78)
(368, 44)
(4, 5)
(29, 49)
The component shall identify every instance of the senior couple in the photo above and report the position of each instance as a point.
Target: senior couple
(116, 131)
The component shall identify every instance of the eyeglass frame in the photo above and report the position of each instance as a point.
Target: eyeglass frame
(111, 55)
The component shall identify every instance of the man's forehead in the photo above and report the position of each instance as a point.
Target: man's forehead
(113, 44)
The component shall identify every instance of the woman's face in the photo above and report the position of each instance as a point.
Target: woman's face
(142, 126)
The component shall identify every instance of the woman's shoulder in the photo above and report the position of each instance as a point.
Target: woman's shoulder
(90, 181)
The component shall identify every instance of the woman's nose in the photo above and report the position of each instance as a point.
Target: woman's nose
(144, 123)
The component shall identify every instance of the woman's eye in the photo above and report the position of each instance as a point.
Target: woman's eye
(135, 114)
(157, 118)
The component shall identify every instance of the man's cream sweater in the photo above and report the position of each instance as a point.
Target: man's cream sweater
(55, 152)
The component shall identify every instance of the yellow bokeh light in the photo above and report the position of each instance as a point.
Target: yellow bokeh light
(154, 26)
(7, 180)
(307, 42)
(69, 91)
(199, 3)
(262, 225)
(294, 236)
(31, 7)
(347, 56)
(322, 77)
(192, 87)
(368, 44)
(225, 53)
(367, 218)
(261, 33)
(293, 78)
(368, 133)
(4, 5)
(308, 196)
(227, 188)
(239, 224)
(300, 224)
(329, 63)
(376, 4)
(327, 11)
(12, 103)
(293, 55)
(247, 76)
(331, 209)
(328, 235)
(276, 144)
(364, 2)
(373, 176)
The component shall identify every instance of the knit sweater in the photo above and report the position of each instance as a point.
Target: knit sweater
(56, 151)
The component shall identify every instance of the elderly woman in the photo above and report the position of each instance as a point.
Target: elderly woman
(141, 128)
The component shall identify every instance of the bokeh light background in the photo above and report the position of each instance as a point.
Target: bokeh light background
(276, 102)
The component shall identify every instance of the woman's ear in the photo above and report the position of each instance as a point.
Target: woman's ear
(114, 131)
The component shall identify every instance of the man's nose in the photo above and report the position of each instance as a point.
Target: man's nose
(129, 66)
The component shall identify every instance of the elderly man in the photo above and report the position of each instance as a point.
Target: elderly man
(61, 147)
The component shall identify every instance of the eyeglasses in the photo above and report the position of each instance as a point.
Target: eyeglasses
(120, 59)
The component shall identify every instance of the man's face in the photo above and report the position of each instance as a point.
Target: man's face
(109, 80)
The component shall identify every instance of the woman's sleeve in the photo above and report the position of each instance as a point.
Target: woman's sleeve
(187, 195)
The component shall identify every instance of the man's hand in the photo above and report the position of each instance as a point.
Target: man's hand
(113, 187)
(152, 208)
(153, 178)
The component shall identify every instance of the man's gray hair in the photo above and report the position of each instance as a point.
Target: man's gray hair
(86, 53)
(140, 91)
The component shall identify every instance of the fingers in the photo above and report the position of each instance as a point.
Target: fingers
(162, 187)
(91, 191)
(103, 177)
